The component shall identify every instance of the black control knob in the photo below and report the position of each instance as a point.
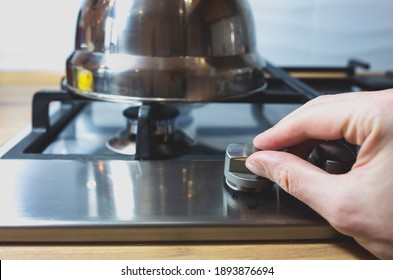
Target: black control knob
(335, 157)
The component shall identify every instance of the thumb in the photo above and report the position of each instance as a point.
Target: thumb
(298, 177)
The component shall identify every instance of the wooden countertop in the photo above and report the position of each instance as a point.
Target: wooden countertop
(16, 91)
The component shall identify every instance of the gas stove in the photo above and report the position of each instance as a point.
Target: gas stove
(96, 171)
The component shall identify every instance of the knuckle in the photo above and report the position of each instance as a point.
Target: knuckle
(289, 181)
(320, 99)
(283, 180)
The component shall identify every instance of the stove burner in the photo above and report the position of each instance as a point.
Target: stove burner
(154, 125)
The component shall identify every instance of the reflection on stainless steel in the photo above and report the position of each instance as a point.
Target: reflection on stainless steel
(92, 195)
(122, 201)
(172, 50)
(237, 176)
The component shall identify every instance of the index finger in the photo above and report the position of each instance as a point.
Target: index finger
(324, 118)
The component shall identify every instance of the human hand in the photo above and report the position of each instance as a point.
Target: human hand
(358, 203)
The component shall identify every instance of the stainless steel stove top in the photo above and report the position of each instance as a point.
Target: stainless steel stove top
(142, 201)
(61, 183)
(63, 196)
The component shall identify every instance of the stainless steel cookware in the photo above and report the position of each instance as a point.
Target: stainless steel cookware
(164, 50)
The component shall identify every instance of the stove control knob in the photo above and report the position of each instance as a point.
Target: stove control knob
(334, 157)
(237, 176)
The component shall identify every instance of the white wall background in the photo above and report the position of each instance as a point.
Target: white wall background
(328, 32)
(38, 35)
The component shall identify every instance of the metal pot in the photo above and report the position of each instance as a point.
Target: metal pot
(164, 50)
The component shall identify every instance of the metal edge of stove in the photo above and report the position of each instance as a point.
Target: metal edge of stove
(16, 138)
(121, 234)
